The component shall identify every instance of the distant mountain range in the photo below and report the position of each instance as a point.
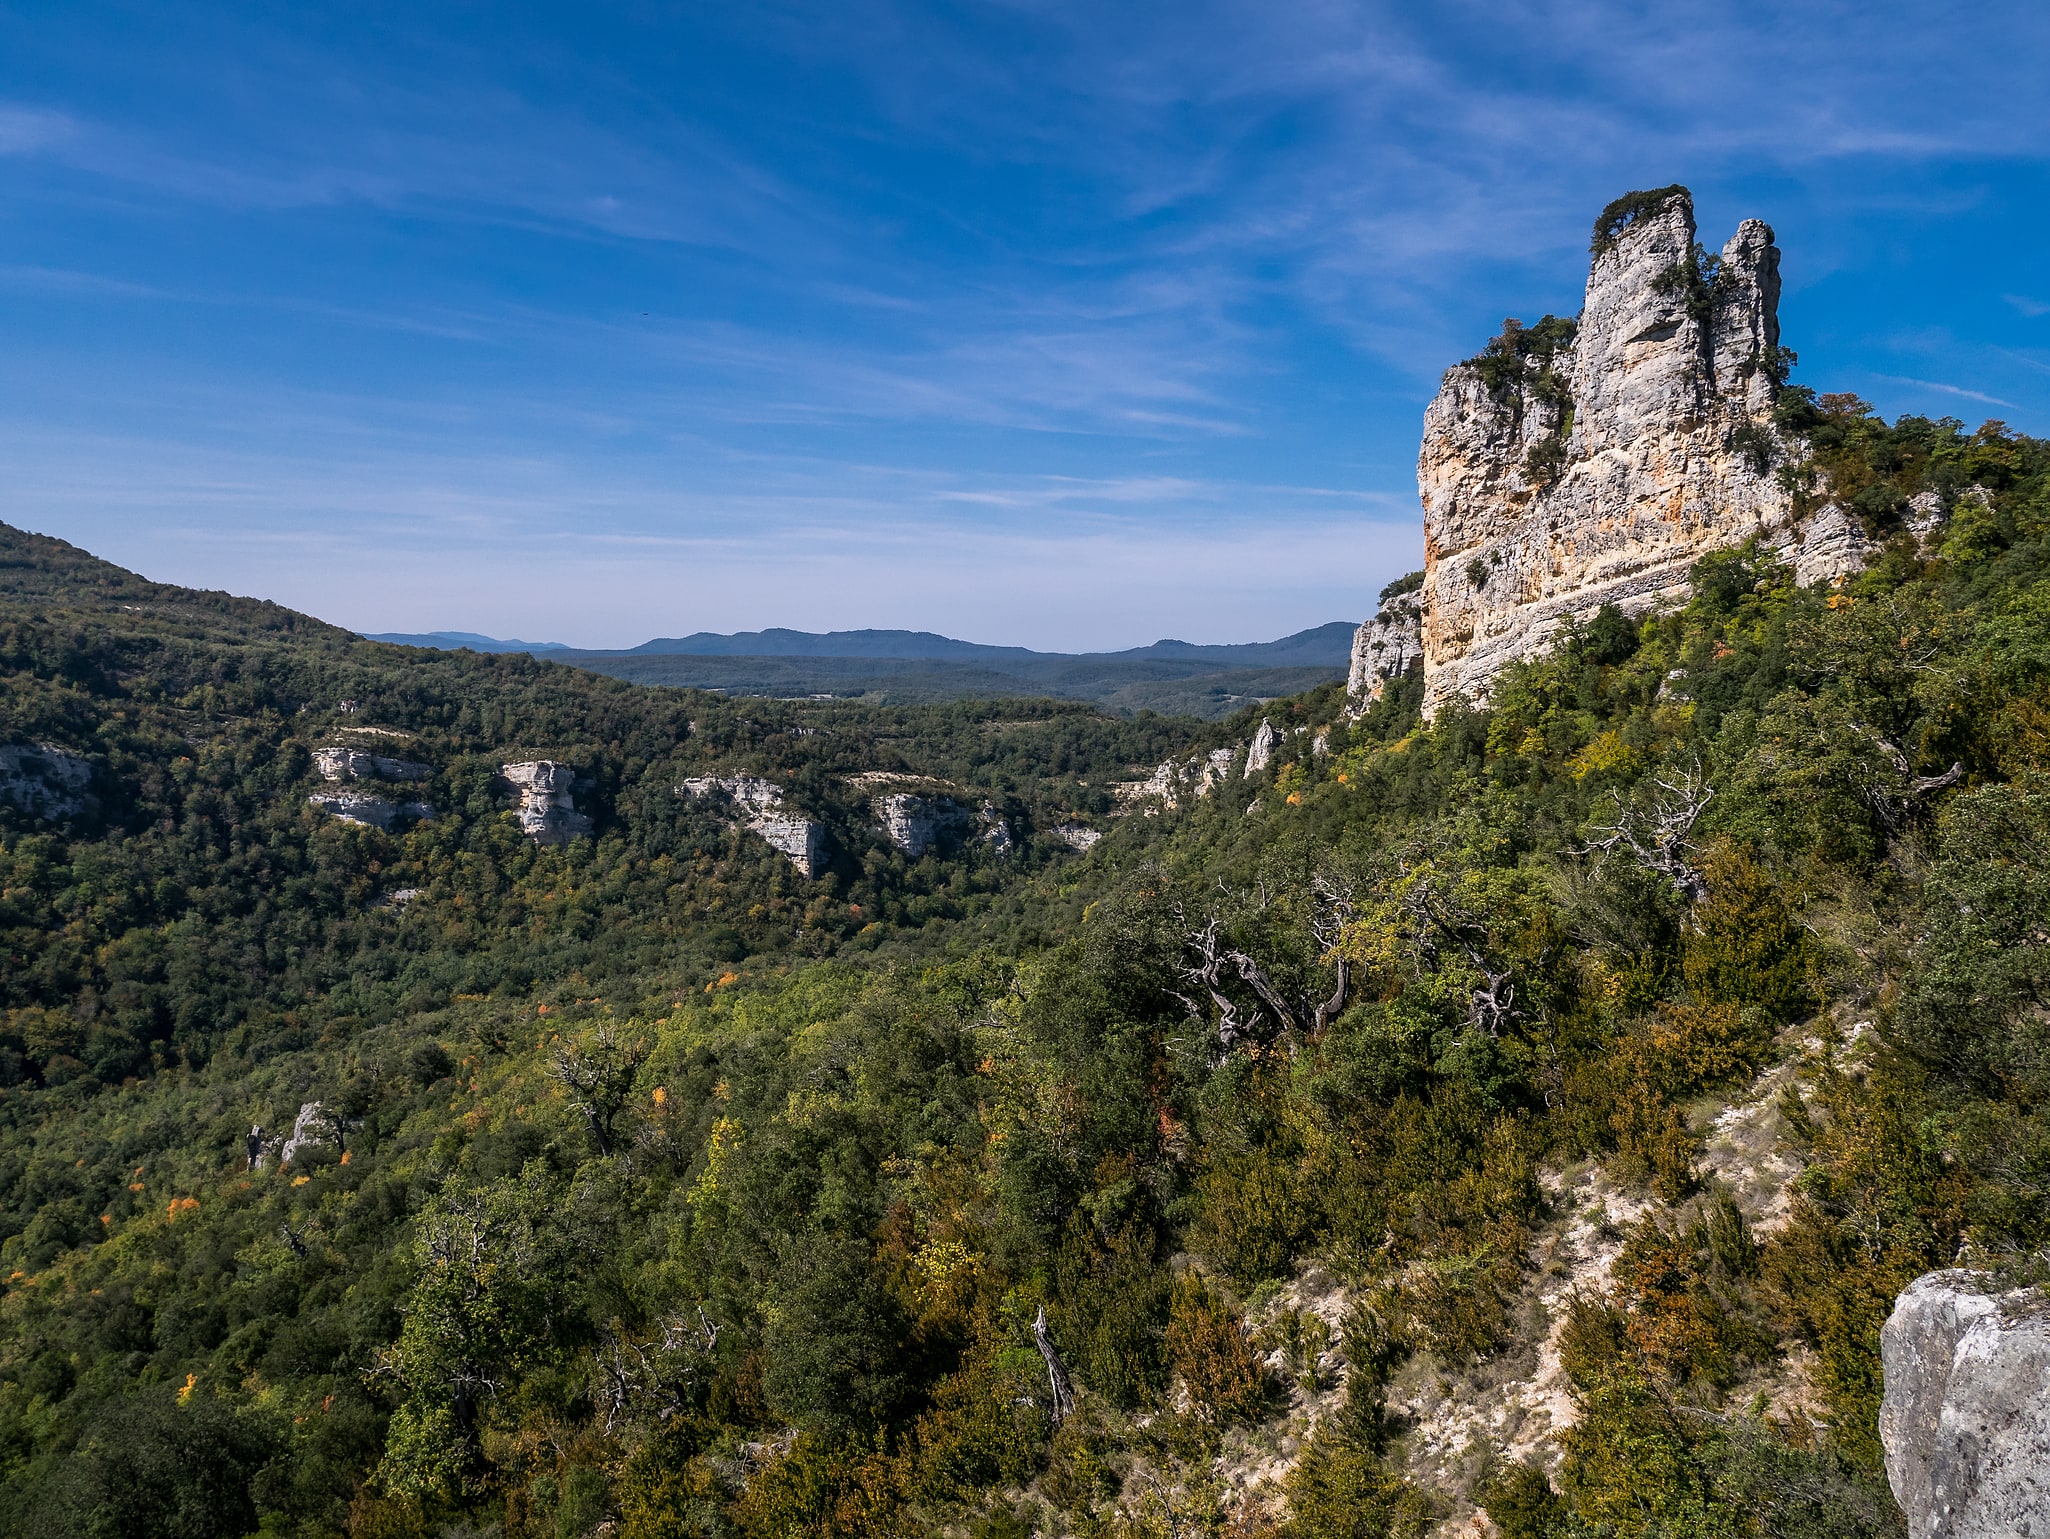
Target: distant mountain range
(456, 641)
(1173, 677)
(1325, 646)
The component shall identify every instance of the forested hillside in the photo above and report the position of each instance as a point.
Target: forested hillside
(1186, 1186)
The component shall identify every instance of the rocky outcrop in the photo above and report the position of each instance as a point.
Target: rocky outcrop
(916, 824)
(42, 781)
(337, 764)
(1386, 646)
(548, 815)
(1576, 465)
(1177, 780)
(1832, 546)
(371, 811)
(759, 804)
(996, 830)
(1966, 1415)
(1077, 836)
(1260, 753)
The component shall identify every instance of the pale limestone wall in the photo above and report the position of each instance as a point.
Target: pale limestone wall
(1654, 475)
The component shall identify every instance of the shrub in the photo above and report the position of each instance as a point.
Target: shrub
(1208, 1346)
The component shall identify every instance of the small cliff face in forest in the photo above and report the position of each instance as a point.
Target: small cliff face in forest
(1577, 464)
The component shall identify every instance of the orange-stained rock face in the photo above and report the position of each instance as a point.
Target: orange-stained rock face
(1603, 483)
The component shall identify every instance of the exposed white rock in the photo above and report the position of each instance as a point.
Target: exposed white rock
(996, 833)
(336, 764)
(1832, 545)
(1161, 789)
(371, 811)
(760, 803)
(308, 1130)
(799, 838)
(1261, 753)
(43, 781)
(916, 824)
(1384, 648)
(1198, 775)
(1603, 481)
(1925, 512)
(749, 791)
(1079, 836)
(547, 813)
(1966, 1415)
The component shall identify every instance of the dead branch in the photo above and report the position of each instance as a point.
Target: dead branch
(599, 1078)
(1438, 926)
(1056, 1372)
(1658, 838)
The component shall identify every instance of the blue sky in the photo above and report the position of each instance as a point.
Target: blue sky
(1065, 325)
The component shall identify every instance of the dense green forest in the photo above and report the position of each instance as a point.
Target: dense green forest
(655, 1190)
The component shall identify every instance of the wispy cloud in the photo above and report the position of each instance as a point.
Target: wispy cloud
(1943, 389)
(931, 290)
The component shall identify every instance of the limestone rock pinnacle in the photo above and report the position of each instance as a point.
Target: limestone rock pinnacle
(1578, 464)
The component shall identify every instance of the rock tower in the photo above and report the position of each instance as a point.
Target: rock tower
(1576, 464)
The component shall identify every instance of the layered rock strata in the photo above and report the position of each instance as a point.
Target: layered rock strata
(760, 805)
(1571, 467)
(1966, 1415)
(548, 814)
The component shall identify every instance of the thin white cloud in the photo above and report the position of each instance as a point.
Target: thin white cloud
(1943, 389)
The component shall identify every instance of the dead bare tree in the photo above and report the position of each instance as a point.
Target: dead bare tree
(1896, 806)
(599, 1078)
(1440, 923)
(1206, 972)
(653, 1377)
(1658, 838)
(1056, 1371)
(1332, 910)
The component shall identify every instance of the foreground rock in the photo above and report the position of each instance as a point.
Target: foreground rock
(1966, 1418)
(547, 813)
(1572, 467)
(759, 805)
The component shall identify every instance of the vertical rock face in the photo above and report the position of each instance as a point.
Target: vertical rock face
(1966, 1415)
(42, 781)
(1260, 753)
(916, 824)
(1571, 467)
(547, 814)
(1384, 647)
(802, 840)
(760, 805)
